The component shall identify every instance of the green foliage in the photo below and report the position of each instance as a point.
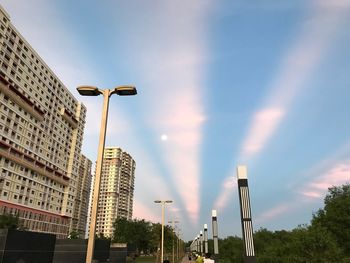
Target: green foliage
(74, 235)
(335, 216)
(314, 244)
(272, 246)
(9, 221)
(231, 250)
(144, 235)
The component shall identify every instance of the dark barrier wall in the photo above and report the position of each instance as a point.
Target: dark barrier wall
(25, 246)
(118, 255)
(74, 250)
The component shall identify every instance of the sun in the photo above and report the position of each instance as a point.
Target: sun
(164, 137)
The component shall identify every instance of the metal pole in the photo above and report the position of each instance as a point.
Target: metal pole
(201, 241)
(215, 235)
(101, 146)
(205, 238)
(246, 218)
(198, 244)
(195, 245)
(173, 241)
(162, 248)
(178, 244)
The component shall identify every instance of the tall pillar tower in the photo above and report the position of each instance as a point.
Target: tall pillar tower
(246, 218)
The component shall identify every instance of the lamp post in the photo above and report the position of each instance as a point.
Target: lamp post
(198, 244)
(215, 235)
(178, 244)
(246, 215)
(201, 242)
(205, 239)
(173, 222)
(162, 243)
(107, 93)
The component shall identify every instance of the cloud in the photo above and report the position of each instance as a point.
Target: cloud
(228, 185)
(312, 189)
(274, 212)
(143, 212)
(298, 64)
(264, 123)
(337, 175)
(170, 48)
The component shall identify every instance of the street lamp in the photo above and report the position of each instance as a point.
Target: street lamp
(173, 222)
(179, 241)
(201, 241)
(162, 243)
(107, 93)
(215, 235)
(205, 239)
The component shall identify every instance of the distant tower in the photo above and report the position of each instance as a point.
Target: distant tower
(246, 219)
(81, 202)
(117, 189)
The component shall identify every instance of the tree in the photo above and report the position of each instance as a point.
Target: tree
(271, 247)
(121, 233)
(9, 221)
(231, 250)
(74, 235)
(314, 244)
(335, 216)
(135, 232)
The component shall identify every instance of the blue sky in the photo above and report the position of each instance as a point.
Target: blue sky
(257, 83)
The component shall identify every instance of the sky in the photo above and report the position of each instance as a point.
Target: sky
(220, 83)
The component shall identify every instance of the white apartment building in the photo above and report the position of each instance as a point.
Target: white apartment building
(117, 189)
(41, 133)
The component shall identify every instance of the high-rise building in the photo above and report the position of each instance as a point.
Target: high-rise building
(81, 203)
(41, 133)
(117, 189)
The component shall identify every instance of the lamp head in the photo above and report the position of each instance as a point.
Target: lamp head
(88, 91)
(125, 90)
(157, 201)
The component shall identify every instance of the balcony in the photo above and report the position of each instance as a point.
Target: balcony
(18, 96)
(69, 117)
(15, 155)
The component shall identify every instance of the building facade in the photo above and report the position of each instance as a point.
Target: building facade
(41, 133)
(117, 189)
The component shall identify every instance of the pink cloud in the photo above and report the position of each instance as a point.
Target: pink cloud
(337, 175)
(316, 189)
(228, 188)
(297, 65)
(312, 194)
(264, 124)
(144, 212)
(175, 61)
(274, 212)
